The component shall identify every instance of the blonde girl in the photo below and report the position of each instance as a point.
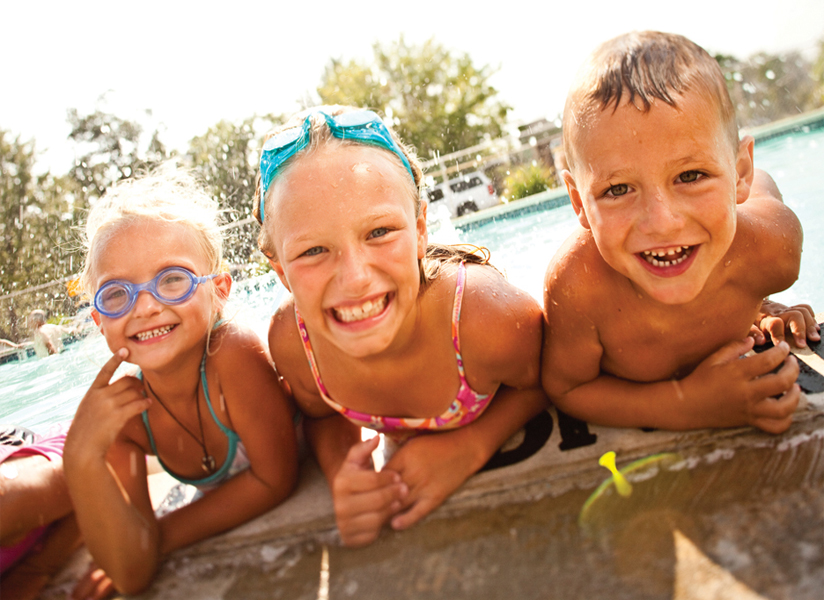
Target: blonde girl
(205, 400)
(382, 330)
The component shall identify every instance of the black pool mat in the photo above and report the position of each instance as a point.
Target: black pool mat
(810, 380)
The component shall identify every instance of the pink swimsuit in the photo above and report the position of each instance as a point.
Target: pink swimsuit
(467, 406)
(50, 446)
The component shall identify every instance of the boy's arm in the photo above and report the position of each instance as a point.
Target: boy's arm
(723, 391)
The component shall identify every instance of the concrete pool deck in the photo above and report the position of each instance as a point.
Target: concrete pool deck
(732, 513)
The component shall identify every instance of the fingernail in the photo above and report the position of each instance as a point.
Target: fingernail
(784, 345)
(404, 489)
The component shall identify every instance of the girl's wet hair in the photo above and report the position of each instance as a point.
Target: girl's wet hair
(437, 255)
(168, 195)
(320, 137)
(644, 67)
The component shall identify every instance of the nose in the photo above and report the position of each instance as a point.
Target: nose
(146, 305)
(661, 214)
(353, 271)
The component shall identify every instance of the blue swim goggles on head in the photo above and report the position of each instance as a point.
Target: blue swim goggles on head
(173, 285)
(363, 125)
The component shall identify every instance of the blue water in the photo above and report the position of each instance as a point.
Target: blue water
(37, 393)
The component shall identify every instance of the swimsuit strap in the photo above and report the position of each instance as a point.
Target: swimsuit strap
(231, 435)
(456, 319)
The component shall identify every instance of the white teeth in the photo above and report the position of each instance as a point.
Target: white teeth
(672, 253)
(368, 309)
(146, 335)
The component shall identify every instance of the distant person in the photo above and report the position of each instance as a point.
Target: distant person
(46, 337)
(427, 344)
(650, 302)
(9, 344)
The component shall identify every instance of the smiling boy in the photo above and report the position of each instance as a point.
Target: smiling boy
(649, 303)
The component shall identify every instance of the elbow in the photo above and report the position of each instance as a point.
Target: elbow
(132, 579)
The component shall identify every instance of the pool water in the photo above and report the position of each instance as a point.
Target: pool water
(37, 393)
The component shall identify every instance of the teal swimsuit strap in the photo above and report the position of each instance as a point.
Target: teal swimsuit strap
(231, 435)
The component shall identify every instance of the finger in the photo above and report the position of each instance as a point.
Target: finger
(359, 482)
(87, 583)
(761, 364)
(731, 351)
(360, 455)
(104, 589)
(418, 511)
(757, 335)
(778, 407)
(370, 509)
(776, 327)
(107, 371)
(797, 324)
(773, 385)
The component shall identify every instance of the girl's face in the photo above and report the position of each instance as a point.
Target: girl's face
(156, 334)
(348, 244)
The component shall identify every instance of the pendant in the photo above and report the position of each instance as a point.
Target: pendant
(208, 464)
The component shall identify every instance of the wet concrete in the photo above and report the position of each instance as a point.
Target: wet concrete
(713, 515)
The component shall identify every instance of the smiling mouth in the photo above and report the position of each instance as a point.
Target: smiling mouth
(147, 335)
(370, 308)
(668, 257)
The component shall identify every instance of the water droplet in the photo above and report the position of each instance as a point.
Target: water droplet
(728, 263)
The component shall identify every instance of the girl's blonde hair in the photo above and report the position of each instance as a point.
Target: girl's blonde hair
(169, 195)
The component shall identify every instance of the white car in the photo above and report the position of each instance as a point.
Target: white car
(463, 195)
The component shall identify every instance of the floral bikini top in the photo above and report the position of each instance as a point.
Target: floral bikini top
(467, 406)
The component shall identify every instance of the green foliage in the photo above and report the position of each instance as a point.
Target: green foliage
(439, 100)
(527, 180)
(36, 221)
(112, 151)
(767, 87)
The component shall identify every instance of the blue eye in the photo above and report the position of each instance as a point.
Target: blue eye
(313, 251)
(379, 232)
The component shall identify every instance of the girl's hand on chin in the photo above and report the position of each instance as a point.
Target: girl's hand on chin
(104, 410)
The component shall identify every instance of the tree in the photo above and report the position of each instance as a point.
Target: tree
(439, 100)
(226, 160)
(38, 217)
(767, 87)
(112, 151)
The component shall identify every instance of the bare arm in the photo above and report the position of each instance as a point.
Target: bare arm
(106, 476)
(262, 417)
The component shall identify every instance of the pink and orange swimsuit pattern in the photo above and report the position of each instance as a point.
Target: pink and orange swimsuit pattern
(467, 406)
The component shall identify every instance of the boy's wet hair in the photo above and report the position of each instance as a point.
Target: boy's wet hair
(437, 255)
(168, 195)
(645, 67)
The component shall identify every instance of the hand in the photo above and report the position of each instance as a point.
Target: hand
(743, 391)
(364, 499)
(104, 410)
(777, 320)
(433, 466)
(93, 585)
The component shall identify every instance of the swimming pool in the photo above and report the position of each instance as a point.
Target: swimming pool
(38, 393)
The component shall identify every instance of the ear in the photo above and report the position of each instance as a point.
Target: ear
(422, 233)
(223, 286)
(575, 199)
(96, 317)
(744, 169)
(278, 269)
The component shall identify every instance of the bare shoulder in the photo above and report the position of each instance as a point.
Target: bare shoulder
(501, 328)
(289, 356)
(578, 276)
(768, 234)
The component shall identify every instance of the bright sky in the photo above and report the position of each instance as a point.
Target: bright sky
(195, 63)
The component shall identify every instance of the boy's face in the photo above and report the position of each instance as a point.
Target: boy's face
(659, 191)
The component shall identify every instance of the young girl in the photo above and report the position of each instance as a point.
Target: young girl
(381, 331)
(205, 400)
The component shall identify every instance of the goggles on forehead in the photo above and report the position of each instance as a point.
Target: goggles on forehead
(363, 126)
(171, 286)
